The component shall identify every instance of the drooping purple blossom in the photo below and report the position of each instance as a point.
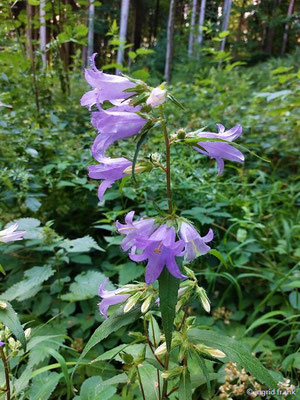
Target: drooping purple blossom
(108, 170)
(160, 249)
(105, 86)
(221, 150)
(195, 245)
(1, 343)
(113, 125)
(133, 230)
(109, 298)
(10, 234)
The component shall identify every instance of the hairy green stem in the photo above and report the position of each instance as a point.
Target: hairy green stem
(6, 371)
(168, 168)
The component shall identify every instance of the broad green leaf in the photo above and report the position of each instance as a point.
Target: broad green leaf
(149, 380)
(129, 272)
(168, 293)
(86, 286)
(31, 285)
(112, 324)
(9, 318)
(94, 389)
(81, 245)
(43, 385)
(185, 386)
(235, 351)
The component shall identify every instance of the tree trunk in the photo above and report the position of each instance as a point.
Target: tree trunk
(239, 29)
(201, 22)
(170, 34)
(156, 18)
(138, 20)
(29, 48)
(286, 28)
(225, 21)
(91, 29)
(43, 32)
(123, 30)
(192, 28)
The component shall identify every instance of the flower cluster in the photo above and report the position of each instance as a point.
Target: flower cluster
(118, 122)
(147, 240)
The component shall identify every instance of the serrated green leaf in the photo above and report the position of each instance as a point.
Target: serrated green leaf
(235, 351)
(30, 286)
(168, 293)
(43, 385)
(10, 318)
(86, 286)
(94, 389)
(129, 272)
(80, 245)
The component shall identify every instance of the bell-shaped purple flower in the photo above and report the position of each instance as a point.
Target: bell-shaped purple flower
(113, 125)
(195, 245)
(134, 230)
(10, 234)
(105, 86)
(221, 150)
(160, 249)
(109, 298)
(109, 170)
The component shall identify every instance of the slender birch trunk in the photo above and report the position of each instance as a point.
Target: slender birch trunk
(201, 22)
(91, 29)
(192, 28)
(286, 28)
(29, 48)
(170, 32)
(225, 22)
(123, 30)
(43, 32)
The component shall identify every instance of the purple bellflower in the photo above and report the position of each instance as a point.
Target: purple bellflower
(113, 125)
(195, 245)
(10, 234)
(105, 86)
(109, 298)
(221, 150)
(133, 230)
(109, 170)
(1, 343)
(160, 249)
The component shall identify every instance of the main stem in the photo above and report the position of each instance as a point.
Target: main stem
(6, 371)
(168, 168)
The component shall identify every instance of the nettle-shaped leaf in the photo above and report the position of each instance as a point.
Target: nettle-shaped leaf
(82, 245)
(30, 285)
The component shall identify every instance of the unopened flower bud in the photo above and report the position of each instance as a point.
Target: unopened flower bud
(27, 333)
(172, 373)
(162, 349)
(139, 168)
(157, 97)
(3, 305)
(210, 350)
(131, 302)
(203, 298)
(181, 134)
(146, 304)
(13, 345)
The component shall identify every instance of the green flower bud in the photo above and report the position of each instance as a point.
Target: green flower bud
(201, 293)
